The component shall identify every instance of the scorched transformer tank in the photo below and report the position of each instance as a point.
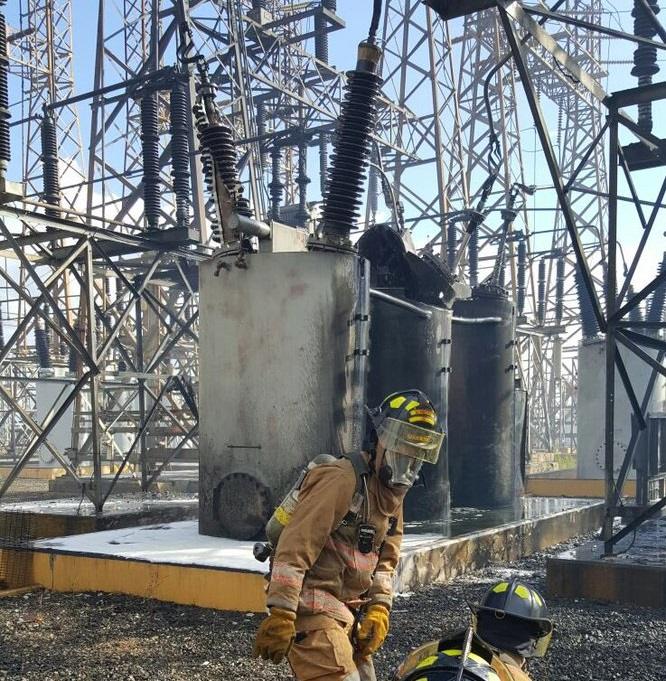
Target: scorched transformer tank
(482, 455)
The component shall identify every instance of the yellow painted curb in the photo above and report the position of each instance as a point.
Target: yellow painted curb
(184, 584)
(573, 487)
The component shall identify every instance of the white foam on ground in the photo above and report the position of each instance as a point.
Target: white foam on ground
(177, 543)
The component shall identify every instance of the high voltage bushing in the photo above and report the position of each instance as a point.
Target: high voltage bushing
(635, 314)
(276, 185)
(656, 312)
(587, 316)
(645, 58)
(180, 152)
(42, 347)
(50, 169)
(5, 151)
(302, 180)
(357, 120)
(559, 290)
(451, 244)
(473, 257)
(150, 146)
(207, 169)
(541, 301)
(260, 120)
(521, 276)
(323, 161)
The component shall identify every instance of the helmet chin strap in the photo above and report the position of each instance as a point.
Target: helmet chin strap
(385, 474)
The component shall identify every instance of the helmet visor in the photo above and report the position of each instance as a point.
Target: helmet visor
(410, 440)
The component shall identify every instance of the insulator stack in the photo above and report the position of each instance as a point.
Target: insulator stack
(541, 301)
(321, 34)
(207, 169)
(587, 317)
(473, 258)
(50, 169)
(2, 332)
(645, 58)
(42, 347)
(635, 314)
(276, 185)
(559, 290)
(451, 245)
(5, 151)
(260, 120)
(323, 161)
(258, 4)
(302, 180)
(521, 277)
(180, 152)
(75, 360)
(357, 120)
(150, 146)
(373, 192)
(656, 311)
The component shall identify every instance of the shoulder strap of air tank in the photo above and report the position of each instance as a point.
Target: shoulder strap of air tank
(361, 468)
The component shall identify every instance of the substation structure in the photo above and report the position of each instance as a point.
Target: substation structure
(183, 262)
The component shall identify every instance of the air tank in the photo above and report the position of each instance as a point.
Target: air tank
(283, 344)
(483, 464)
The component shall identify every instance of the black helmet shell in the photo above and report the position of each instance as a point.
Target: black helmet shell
(519, 621)
(429, 663)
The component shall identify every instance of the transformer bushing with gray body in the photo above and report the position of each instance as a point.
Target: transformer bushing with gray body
(482, 464)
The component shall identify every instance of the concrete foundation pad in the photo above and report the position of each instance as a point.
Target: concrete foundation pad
(46, 472)
(62, 517)
(177, 481)
(635, 575)
(173, 562)
(559, 485)
(427, 558)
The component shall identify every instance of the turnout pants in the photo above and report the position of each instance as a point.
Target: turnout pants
(327, 654)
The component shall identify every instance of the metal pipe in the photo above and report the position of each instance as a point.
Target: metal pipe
(478, 320)
(249, 226)
(399, 302)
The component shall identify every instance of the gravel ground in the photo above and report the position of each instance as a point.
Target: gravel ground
(99, 637)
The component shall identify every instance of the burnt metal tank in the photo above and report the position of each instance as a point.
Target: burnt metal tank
(283, 347)
(482, 455)
(410, 345)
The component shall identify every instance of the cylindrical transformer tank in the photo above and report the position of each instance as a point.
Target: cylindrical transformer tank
(283, 345)
(409, 349)
(482, 461)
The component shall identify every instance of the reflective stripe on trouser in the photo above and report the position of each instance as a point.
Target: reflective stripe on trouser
(327, 655)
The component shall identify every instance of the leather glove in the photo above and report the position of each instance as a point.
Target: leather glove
(275, 635)
(373, 629)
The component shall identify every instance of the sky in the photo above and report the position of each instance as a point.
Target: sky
(357, 15)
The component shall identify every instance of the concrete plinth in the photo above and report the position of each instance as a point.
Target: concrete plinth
(636, 576)
(64, 517)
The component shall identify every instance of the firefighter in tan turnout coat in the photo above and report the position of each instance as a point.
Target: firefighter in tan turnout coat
(330, 590)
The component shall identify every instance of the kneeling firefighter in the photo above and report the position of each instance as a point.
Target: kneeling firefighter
(510, 625)
(330, 589)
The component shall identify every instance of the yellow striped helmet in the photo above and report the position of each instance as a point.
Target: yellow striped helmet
(513, 616)
(430, 664)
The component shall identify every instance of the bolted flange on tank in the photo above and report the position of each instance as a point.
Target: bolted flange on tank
(481, 412)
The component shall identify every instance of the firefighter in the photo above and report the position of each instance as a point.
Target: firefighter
(510, 625)
(330, 589)
(512, 619)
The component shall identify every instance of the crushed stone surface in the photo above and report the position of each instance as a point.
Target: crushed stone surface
(99, 636)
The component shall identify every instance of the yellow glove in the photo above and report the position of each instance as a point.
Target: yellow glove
(275, 635)
(373, 629)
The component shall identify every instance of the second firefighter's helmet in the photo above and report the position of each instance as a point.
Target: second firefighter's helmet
(405, 424)
(513, 617)
(432, 663)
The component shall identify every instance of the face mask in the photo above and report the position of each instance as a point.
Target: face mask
(398, 470)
